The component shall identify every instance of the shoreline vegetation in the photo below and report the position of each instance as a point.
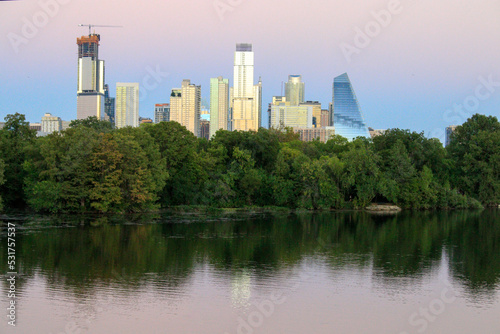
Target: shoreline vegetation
(93, 168)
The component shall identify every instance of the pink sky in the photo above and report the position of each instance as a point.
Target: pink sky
(429, 57)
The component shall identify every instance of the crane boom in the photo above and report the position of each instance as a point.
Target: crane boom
(97, 25)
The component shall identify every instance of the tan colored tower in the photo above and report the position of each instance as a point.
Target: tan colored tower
(185, 106)
(246, 102)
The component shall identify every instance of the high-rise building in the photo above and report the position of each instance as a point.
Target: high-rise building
(127, 104)
(51, 123)
(109, 106)
(205, 129)
(185, 106)
(316, 112)
(449, 134)
(162, 112)
(283, 114)
(295, 90)
(219, 104)
(246, 98)
(348, 118)
(90, 91)
(325, 117)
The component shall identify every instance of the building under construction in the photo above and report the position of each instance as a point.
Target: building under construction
(91, 90)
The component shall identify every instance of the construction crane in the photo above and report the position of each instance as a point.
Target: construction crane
(95, 25)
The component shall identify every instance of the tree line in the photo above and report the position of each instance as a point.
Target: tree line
(92, 167)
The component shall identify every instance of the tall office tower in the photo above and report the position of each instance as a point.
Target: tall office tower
(449, 134)
(283, 114)
(109, 106)
(295, 90)
(185, 106)
(348, 119)
(90, 92)
(162, 112)
(257, 89)
(316, 112)
(219, 104)
(245, 97)
(127, 104)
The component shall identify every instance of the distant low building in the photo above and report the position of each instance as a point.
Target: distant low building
(375, 133)
(144, 120)
(36, 126)
(310, 134)
(449, 134)
(65, 125)
(51, 123)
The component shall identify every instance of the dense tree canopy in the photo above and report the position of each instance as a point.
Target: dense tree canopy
(92, 167)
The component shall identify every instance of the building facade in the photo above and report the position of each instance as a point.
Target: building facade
(316, 106)
(285, 115)
(322, 134)
(185, 106)
(295, 90)
(51, 124)
(162, 112)
(348, 118)
(127, 104)
(449, 134)
(246, 98)
(90, 91)
(109, 106)
(219, 105)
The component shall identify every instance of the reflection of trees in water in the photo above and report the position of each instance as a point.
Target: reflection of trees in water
(164, 256)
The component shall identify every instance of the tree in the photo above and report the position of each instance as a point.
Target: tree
(2, 180)
(361, 173)
(178, 146)
(475, 151)
(93, 122)
(16, 137)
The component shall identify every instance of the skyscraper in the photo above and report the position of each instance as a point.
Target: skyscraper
(219, 104)
(295, 90)
(109, 106)
(162, 112)
(127, 104)
(348, 118)
(185, 106)
(90, 91)
(246, 101)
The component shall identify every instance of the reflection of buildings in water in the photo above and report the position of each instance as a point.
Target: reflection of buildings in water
(240, 288)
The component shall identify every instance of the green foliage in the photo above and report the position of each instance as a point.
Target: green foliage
(93, 168)
(16, 137)
(2, 180)
(94, 123)
(475, 151)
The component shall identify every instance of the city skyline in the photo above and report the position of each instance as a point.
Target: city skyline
(414, 73)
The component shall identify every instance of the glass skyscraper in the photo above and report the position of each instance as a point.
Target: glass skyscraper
(347, 116)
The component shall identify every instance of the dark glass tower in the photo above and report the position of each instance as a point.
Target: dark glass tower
(346, 114)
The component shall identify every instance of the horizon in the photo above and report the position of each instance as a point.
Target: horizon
(404, 76)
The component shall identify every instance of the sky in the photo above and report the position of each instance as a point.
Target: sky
(419, 65)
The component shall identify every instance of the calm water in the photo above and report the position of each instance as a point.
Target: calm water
(305, 273)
